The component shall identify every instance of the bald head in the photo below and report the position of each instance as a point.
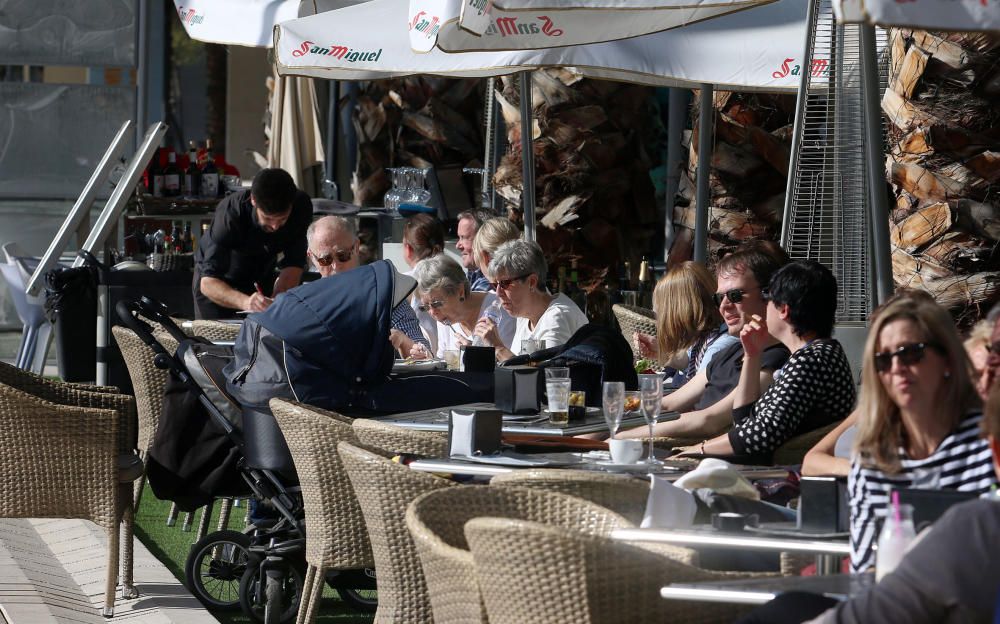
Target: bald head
(333, 244)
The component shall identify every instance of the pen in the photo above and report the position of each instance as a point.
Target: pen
(260, 291)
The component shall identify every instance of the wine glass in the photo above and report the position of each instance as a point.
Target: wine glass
(613, 399)
(650, 394)
(394, 194)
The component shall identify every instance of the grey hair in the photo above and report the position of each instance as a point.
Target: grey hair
(520, 257)
(333, 222)
(441, 271)
(478, 216)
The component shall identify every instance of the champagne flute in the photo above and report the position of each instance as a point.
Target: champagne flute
(650, 394)
(613, 399)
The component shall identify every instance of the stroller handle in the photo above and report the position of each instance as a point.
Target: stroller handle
(132, 312)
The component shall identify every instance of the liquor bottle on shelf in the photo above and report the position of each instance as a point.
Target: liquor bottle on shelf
(561, 283)
(188, 245)
(192, 177)
(176, 242)
(171, 176)
(645, 284)
(154, 176)
(210, 186)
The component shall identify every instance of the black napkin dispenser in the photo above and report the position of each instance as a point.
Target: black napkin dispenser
(516, 389)
(478, 359)
(823, 505)
(474, 432)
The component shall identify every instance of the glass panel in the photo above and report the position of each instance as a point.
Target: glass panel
(57, 32)
(52, 136)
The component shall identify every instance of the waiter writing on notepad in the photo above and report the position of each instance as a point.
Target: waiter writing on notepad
(253, 232)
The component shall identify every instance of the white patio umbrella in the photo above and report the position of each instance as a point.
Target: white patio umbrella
(467, 25)
(246, 22)
(759, 49)
(929, 14)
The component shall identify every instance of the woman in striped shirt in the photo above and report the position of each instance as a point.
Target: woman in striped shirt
(919, 417)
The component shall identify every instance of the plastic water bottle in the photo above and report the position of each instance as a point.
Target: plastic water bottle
(897, 534)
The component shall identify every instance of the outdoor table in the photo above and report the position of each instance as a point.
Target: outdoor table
(828, 551)
(670, 471)
(437, 420)
(759, 591)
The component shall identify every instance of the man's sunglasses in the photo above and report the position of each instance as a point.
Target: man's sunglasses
(505, 283)
(735, 296)
(908, 355)
(327, 259)
(433, 305)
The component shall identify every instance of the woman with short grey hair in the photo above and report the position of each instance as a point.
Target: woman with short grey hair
(518, 269)
(443, 291)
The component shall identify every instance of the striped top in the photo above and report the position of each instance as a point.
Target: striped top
(961, 462)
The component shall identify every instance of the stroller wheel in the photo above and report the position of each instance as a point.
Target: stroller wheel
(281, 596)
(215, 567)
(357, 588)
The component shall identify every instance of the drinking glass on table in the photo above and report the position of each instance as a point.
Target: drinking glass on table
(557, 394)
(650, 395)
(613, 399)
(556, 372)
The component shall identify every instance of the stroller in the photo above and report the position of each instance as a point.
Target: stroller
(201, 453)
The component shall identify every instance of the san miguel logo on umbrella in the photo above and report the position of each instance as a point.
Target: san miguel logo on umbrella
(190, 16)
(819, 67)
(509, 26)
(339, 52)
(429, 26)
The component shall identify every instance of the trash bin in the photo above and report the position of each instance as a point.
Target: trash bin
(71, 307)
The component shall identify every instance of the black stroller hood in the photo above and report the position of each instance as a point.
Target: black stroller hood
(339, 323)
(322, 343)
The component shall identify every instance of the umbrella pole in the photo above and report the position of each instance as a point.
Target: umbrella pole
(676, 113)
(527, 158)
(704, 193)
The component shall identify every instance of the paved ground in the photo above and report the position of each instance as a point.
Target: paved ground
(54, 571)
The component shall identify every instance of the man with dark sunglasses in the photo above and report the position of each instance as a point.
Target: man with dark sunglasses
(253, 233)
(332, 247)
(706, 401)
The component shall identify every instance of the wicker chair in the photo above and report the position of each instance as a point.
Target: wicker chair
(633, 319)
(337, 537)
(216, 331)
(531, 572)
(384, 489)
(622, 494)
(794, 450)
(61, 456)
(436, 521)
(395, 439)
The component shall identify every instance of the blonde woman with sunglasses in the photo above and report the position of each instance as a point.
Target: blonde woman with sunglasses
(919, 416)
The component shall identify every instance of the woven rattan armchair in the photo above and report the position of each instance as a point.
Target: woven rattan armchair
(337, 537)
(622, 494)
(63, 454)
(216, 331)
(395, 439)
(384, 489)
(633, 319)
(794, 450)
(532, 572)
(436, 521)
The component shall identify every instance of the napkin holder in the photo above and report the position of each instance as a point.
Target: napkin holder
(515, 389)
(474, 432)
(823, 505)
(478, 359)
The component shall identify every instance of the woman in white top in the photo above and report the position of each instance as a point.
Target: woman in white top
(443, 292)
(518, 270)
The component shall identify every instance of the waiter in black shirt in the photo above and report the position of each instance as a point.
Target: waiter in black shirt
(252, 233)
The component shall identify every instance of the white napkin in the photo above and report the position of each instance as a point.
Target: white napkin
(720, 477)
(668, 506)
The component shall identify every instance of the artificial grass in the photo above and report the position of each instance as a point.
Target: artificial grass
(170, 545)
